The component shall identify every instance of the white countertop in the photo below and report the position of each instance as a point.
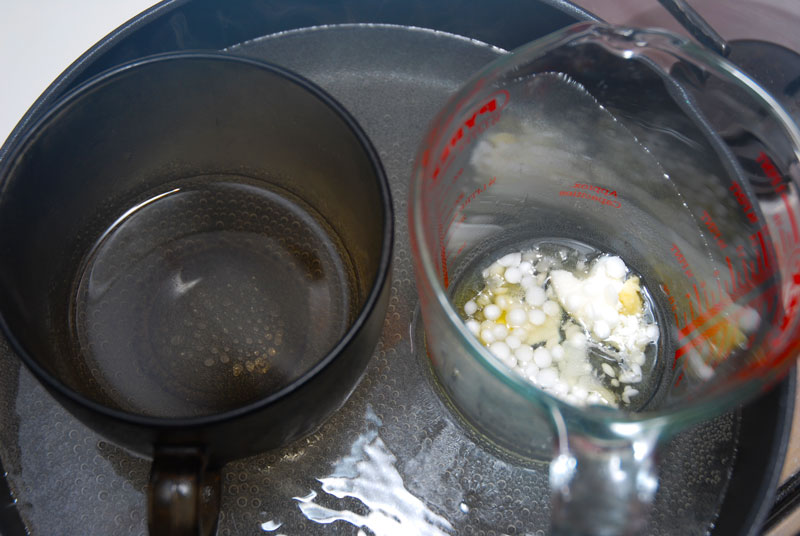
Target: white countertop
(39, 39)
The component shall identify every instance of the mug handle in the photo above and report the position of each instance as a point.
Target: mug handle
(603, 485)
(183, 496)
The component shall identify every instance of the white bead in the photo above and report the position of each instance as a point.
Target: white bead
(500, 332)
(615, 267)
(652, 332)
(575, 301)
(560, 388)
(516, 317)
(579, 392)
(607, 369)
(500, 349)
(513, 275)
(512, 259)
(473, 326)
(513, 342)
(524, 353)
(601, 330)
(557, 352)
(526, 267)
(510, 362)
(486, 336)
(491, 312)
(547, 377)
(535, 296)
(542, 357)
(531, 371)
(502, 301)
(536, 317)
(527, 282)
(577, 340)
(749, 320)
(470, 308)
(594, 399)
(551, 308)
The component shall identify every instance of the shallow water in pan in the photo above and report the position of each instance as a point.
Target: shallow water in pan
(394, 460)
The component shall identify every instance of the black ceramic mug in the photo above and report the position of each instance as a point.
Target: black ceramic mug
(194, 260)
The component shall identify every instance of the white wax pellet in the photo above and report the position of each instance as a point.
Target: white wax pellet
(560, 388)
(535, 296)
(557, 352)
(470, 308)
(551, 308)
(516, 317)
(579, 392)
(749, 320)
(500, 332)
(526, 267)
(542, 357)
(615, 267)
(502, 301)
(531, 371)
(652, 332)
(594, 398)
(527, 281)
(547, 377)
(488, 324)
(577, 340)
(521, 333)
(601, 330)
(486, 336)
(513, 342)
(491, 312)
(575, 301)
(513, 275)
(607, 369)
(512, 259)
(473, 326)
(500, 349)
(536, 317)
(524, 353)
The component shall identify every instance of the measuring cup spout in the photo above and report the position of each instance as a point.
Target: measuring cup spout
(602, 485)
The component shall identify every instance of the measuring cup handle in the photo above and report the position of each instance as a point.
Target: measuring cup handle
(602, 487)
(183, 497)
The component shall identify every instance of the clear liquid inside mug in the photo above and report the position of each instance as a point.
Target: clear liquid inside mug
(595, 143)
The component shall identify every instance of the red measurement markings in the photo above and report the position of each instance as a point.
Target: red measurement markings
(461, 203)
(482, 117)
(587, 191)
(684, 264)
(777, 182)
(706, 304)
(747, 287)
(713, 229)
(744, 202)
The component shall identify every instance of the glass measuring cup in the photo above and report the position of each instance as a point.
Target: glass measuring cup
(631, 143)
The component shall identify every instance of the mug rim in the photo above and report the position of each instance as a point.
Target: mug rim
(380, 279)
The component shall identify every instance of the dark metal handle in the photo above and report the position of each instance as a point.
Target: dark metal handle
(184, 494)
(696, 25)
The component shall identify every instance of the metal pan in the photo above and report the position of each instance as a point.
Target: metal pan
(394, 460)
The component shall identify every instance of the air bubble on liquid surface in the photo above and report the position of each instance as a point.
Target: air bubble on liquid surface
(368, 474)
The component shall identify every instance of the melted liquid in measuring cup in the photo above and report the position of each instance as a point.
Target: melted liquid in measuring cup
(209, 295)
(571, 319)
